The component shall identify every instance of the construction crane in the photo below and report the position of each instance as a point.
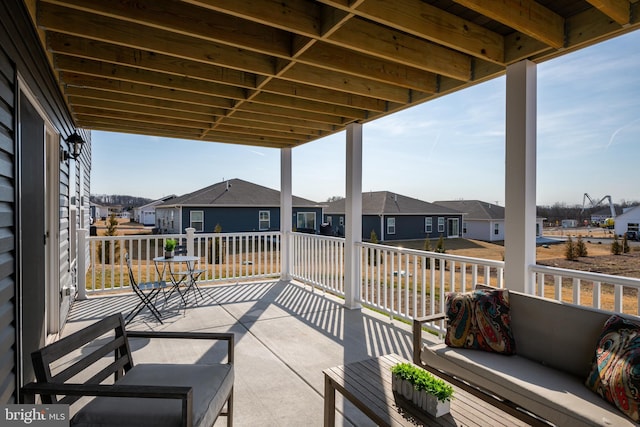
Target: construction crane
(609, 222)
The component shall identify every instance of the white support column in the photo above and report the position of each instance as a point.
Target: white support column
(353, 217)
(81, 262)
(286, 214)
(520, 176)
(191, 234)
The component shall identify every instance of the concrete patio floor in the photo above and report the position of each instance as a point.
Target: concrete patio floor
(286, 335)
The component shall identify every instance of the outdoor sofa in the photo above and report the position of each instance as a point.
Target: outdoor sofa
(544, 380)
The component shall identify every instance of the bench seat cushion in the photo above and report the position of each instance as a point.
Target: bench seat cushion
(559, 397)
(211, 387)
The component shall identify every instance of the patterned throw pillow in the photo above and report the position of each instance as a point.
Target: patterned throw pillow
(615, 374)
(480, 320)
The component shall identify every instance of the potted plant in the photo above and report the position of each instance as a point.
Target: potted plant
(421, 389)
(169, 247)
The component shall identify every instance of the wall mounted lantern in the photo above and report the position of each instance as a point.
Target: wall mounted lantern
(76, 143)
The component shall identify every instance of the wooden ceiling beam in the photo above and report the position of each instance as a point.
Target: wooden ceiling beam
(188, 20)
(328, 95)
(331, 57)
(53, 17)
(126, 98)
(144, 59)
(431, 23)
(310, 106)
(299, 16)
(302, 74)
(396, 46)
(292, 113)
(526, 16)
(110, 125)
(140, 116)
(192, 132)
(84, 81)
(118, 55)
(104, 104)
(251, 131)
(618, 10)
(148, 77)
(254, 116)
(306, 18)
(223, 136)
(301, 132)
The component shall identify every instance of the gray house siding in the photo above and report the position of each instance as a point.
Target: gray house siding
(8, 335)
(31, 100)
(369, 223)
(412, 227)
(242, 219)
(407, 227)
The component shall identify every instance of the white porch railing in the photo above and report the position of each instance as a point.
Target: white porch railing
(400, 282)
(613, 293)
(318, 261)
(406, 283)
(223, 257)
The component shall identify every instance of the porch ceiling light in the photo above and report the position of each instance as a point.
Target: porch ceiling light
(76, 143)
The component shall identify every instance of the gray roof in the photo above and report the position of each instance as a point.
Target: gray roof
(235, 192)
(475, 209)
(388, 203)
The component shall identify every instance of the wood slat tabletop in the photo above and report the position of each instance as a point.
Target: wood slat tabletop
(367, 384)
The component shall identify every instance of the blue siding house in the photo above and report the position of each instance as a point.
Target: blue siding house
(236, 206)
(396, 217)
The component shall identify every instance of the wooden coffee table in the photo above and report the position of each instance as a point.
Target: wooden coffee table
(367, 384)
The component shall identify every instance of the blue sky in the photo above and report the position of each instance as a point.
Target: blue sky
(449, 148)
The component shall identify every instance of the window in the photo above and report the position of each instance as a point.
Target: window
(264, 220)
(391, 226)
(633, 226)
(440, 225)
(496, 229)
(341, 220)
(428, 225)
(197, 220)
(306, 220)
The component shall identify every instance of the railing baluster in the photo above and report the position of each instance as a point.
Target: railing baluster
(576, 290)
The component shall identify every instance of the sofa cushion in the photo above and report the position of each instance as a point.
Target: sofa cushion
(556, 396)
(211, 387)
(616, 367)
(479, 320)
(560, 335)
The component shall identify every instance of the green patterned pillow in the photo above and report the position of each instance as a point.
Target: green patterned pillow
(615, 374)
(480, 320)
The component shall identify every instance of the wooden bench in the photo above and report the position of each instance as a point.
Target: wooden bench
(153, 394)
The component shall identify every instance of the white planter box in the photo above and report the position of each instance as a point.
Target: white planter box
(420, 399)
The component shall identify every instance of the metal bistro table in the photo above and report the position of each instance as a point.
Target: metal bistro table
(166, 267)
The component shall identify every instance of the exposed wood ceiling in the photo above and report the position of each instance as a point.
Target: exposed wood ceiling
(283, 73)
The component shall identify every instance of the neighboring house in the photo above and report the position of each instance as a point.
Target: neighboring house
(98, 211)
(396, 217)
(45, 200)
(146, 214)
(483, 221)
(628, 221)
(237, 206)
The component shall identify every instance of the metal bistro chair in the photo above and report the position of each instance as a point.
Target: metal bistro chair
(147, 292)
(193, 271)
